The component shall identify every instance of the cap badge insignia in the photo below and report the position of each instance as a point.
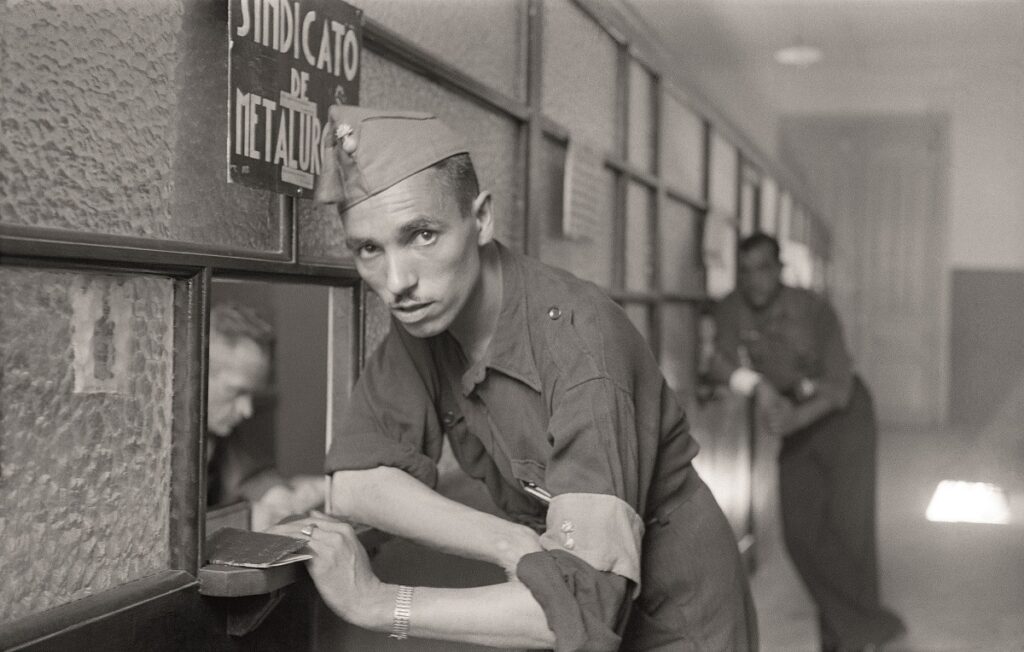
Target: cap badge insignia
(347, 137)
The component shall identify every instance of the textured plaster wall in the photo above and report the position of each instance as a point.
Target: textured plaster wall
(501, 24)
(114, 117)
(84, 477)
(88, 115)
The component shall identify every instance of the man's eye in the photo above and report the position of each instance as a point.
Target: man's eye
(368, 251)
(426, 237)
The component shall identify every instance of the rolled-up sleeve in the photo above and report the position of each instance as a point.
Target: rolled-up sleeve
(582, 605)
(390, 419)
(589, 573)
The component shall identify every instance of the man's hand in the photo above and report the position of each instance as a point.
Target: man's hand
(298, 497)
(308, 492)
(774, 411)
(341, 570)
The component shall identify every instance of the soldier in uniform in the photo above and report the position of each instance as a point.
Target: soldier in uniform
(547, 395)
(784, 345)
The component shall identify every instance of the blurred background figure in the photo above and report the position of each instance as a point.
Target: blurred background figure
(241, 343)
(784, 346)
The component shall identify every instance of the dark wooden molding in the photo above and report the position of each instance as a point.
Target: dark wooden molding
(217, 580)
(50, 244)
(63, 627)
(535, 131)
(188, 421)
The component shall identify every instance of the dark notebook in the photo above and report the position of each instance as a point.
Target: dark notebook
(236, 547)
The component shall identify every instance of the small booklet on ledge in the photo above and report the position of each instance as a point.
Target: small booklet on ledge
(237, 547)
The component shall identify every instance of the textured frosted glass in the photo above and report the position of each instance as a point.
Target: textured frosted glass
(588, 251)
(117, 125)
(579, 76)
(640, 315)
(682, 148)
(641, 117)
(769, 205)
(639, 261)
(680, 251)
(724, 175)
(490, 44)
(85, 488)
(679, 346)
(493, 140)
(720, 255)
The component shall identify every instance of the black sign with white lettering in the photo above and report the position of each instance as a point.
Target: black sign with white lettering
(289, 60)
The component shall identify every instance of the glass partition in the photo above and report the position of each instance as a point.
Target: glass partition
(639, 258)
(680, 250)
(86, 391)
(579, 75)
(682, 149)
(640, 315)
(678, 330)
(642, 103)
(769, 206)
(724, 176)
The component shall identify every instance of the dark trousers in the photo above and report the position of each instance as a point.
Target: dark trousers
(827, 487)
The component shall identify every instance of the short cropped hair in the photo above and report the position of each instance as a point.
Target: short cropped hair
(458, 177)
(759, 239)
(234, 321)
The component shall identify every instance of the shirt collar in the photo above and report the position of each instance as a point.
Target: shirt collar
(510, 350)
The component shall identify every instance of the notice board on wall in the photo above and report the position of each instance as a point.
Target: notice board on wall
(288, 62)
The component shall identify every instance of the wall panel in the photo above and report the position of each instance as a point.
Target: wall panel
(678, 346)
(500, 24)
(682, 148)
(579, 75)
(680, 267)
(642, 118)
(584, 247)
(639, 245)
(724, 171)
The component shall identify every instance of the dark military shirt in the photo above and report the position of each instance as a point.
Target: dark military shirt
(568, 401)
(796, 338)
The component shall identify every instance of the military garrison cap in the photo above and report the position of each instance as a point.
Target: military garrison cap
(365, 151)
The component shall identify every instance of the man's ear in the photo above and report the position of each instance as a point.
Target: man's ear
(484, 217)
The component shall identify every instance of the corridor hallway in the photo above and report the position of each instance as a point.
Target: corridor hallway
(958, 586)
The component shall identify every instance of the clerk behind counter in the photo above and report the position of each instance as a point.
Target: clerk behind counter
(241, 343)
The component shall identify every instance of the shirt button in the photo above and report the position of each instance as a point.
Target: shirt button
(554, 312)
(448, 418)
(569, 543)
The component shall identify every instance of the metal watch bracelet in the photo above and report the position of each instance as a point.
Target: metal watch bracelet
(403, 611)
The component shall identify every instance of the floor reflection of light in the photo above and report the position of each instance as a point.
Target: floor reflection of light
(957, 501)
